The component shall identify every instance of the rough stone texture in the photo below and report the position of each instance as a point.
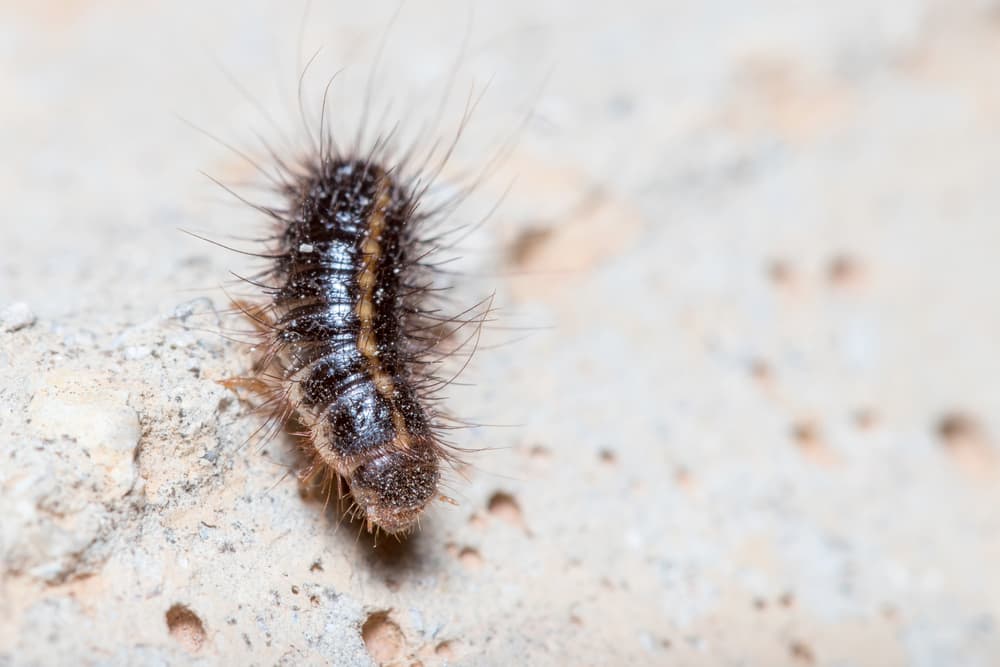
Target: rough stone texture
(749, 274)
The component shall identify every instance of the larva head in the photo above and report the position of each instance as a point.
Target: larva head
(394, 488)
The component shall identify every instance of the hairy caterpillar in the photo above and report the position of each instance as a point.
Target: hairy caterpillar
(352, 329)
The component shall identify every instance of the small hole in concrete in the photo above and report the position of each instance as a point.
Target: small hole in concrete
(185, 627)
(445, 650)
(502, 505)
(957, 429)
(865, 419)
(540, 453)
(781, 272)
(844, 270)
(808, 438)
(470, 558)
(527, 245)
(382, 637)
(801, 653)
(965, 438)
(760, 370)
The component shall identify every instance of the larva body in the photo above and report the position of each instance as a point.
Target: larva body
(348, 338)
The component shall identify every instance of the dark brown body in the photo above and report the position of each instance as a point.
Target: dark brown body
(342, 342)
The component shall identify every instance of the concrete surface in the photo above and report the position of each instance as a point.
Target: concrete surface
(743, 382)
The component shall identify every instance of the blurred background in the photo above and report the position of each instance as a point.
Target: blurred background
(743, 380)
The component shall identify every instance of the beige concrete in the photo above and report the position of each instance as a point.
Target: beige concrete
(742, 387)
